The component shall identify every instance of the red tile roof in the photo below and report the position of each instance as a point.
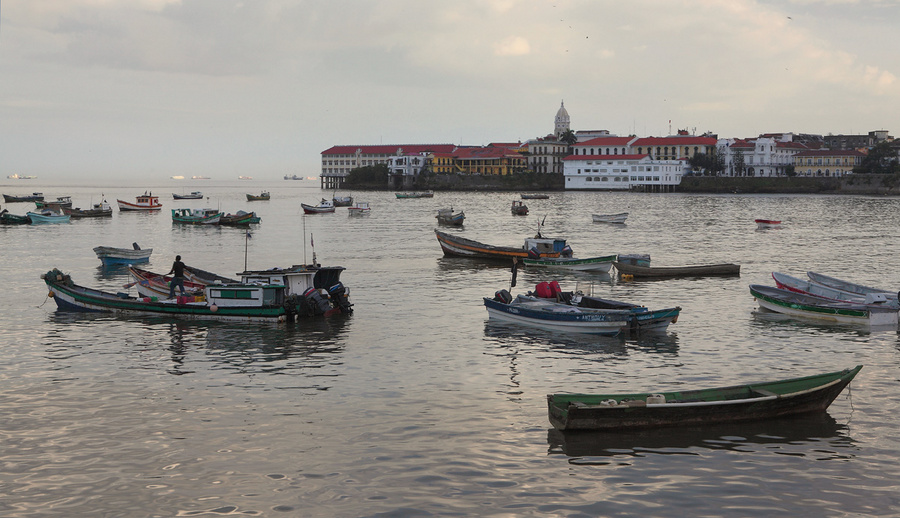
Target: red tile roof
(605, 157)
(605, 141)
(831, 152)
(675, 141)
(390, 149)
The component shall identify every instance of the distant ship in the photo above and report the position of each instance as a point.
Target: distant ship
(178, 178)
(245, 177)
(293, 177)
(17, 177)
(199, 178)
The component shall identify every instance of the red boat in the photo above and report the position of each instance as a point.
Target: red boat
(767, 223)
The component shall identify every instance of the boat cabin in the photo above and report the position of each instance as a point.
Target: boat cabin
(297, 279)
(243, 295)
(546, 245)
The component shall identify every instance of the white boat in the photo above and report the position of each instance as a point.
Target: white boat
(610, 218)
(849, 286)
(812, 307)
(109, 255)
(194, 195)
(145, 202)
(323, 207)
(361, 207)
(590, 264)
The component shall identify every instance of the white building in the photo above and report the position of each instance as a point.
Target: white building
(762, 156)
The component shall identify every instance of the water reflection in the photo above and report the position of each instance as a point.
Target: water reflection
(508, 334)
(770, 320)
(812, 434)
(112, 271)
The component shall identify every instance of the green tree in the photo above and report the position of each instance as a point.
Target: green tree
(568, 137)
(882, 159)
(373, 175)
(709, 164)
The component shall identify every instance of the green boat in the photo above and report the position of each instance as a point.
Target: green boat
(8, 218)
(588, 264)
(276, 295)
(748, 402)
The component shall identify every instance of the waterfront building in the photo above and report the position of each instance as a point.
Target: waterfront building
(674, 147)
(827, 162)
(857, 141)
(622, 172)
(767, 155)
(561, 122)
(338, 161)
(488, 160)
(545, 155)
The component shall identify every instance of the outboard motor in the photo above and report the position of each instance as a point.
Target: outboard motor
(341, 297)
(316, 302)
(503, 296)
(566, 251)
(533, 253)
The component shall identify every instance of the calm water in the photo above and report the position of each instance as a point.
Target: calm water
(415, 405)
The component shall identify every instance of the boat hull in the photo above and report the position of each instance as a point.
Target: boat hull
(110, 256)
(39, 219)
(568, 321)
(678, 271)
(312, 209)
(125, 206)
(8, 198)
(455, 246)
(590, 264)
(610, 218)
(750, 402)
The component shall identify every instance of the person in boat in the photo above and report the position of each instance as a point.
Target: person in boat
(177, 277)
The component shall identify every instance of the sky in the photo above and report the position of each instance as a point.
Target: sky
(221, 88)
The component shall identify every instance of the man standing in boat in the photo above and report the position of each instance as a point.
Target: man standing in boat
(178, 277)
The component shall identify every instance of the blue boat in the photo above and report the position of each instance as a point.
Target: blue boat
(47, 216)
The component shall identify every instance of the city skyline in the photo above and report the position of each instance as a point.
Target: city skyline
(222, 88)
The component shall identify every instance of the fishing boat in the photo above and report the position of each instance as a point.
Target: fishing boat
(8, 218)
(747, 402)
(342, 201)
(677, 271)
(610, 218)
(425, 194)
(361, 208)
(263, 196)
(809, 287)
(194, 195)
(323, 207)
(47, 216)
(448, 217)
(813, 307)
(239, 218)
(535, 196)
(110, 255)
(97, 210)
(276, 295)
(635, 259)
(455, 246)
(589, 264)
(851, 287)
(767, 223)
(518, 208)
(145, 202)
(57, 205)
(196, 216)
(579, 314)
(149, 284)
(33, 197)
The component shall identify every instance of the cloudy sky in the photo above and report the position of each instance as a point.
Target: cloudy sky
(154, 88)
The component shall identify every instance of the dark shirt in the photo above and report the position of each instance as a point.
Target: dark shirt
(178, 269)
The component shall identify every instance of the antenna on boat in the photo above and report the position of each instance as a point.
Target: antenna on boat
(247, 237)
(304, 240)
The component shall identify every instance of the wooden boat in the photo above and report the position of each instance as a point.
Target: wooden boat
(109, 255)
(635, 259)
(767, 223)
(448, 217)
(239, 218)
(342, 201)
(677, 271)
(98, 210)
(8, 218)
(535, 196)
(56, 205)
(145, 202)
(808, 287)
(849, 286)
(35, 196)
(323, 207)
(426, 194)
(276, 295)
(263, 196)
(149, 284)
(519, 209)
(590, 264)
(591, 318)
(361, 208)
(47, 216)
(196, 216)
(819, 308)
(748, 402)
(455, 246)
(194, 195)
(610, 218)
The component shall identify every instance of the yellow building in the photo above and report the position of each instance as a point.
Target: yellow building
(827, 162)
